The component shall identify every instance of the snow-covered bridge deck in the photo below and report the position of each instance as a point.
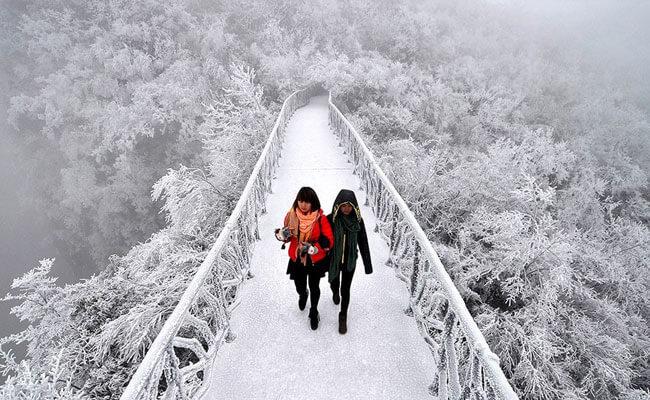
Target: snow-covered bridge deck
(276, 355)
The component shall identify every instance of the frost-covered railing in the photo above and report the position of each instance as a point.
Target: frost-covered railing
(180, 357)
(466, 368)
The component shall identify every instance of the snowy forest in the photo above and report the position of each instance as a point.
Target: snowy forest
(522, 147)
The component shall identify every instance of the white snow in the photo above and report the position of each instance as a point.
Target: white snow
(276, 355)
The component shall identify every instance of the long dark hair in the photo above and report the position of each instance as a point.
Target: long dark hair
(308, 195)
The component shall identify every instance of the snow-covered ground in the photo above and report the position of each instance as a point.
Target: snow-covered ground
(276, 355)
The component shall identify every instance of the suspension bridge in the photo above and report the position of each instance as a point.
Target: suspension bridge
(237, 332)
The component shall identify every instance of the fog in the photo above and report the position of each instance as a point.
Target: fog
(614, 34)
(25, 235)
(611, 36)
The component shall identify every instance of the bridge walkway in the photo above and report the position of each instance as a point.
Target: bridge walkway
(276, 355)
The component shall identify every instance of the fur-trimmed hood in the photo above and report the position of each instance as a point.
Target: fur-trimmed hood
(346, 196)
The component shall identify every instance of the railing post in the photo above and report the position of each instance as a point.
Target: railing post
(393, 240)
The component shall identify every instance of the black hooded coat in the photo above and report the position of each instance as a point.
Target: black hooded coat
(347, 196)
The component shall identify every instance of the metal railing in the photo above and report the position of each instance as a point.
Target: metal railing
(200, 322)
(466, 367)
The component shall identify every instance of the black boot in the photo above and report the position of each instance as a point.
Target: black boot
(314, 318)
(343, 323)
(336, 298)
(302, 300)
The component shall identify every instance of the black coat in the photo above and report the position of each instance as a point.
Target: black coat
(347, 196)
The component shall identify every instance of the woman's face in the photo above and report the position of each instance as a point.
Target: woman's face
(304, 206)
(346, 208)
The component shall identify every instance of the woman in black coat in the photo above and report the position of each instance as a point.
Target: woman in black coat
(349, 238)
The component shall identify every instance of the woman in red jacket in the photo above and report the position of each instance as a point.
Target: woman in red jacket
(309, 233)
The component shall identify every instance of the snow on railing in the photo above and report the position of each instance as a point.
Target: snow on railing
(466, 367)
(198, 325)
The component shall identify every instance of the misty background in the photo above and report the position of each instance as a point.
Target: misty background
(613, 34)
(25, 233)
(608, 40)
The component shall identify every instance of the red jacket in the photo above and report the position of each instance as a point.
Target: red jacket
(315, 235)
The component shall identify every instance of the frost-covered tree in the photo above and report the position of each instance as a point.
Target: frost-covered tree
(108, 95)
(527, 168)
(530, 180)
(87, 339)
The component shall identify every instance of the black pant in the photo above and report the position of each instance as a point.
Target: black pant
(300, 279)
(345, 288)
